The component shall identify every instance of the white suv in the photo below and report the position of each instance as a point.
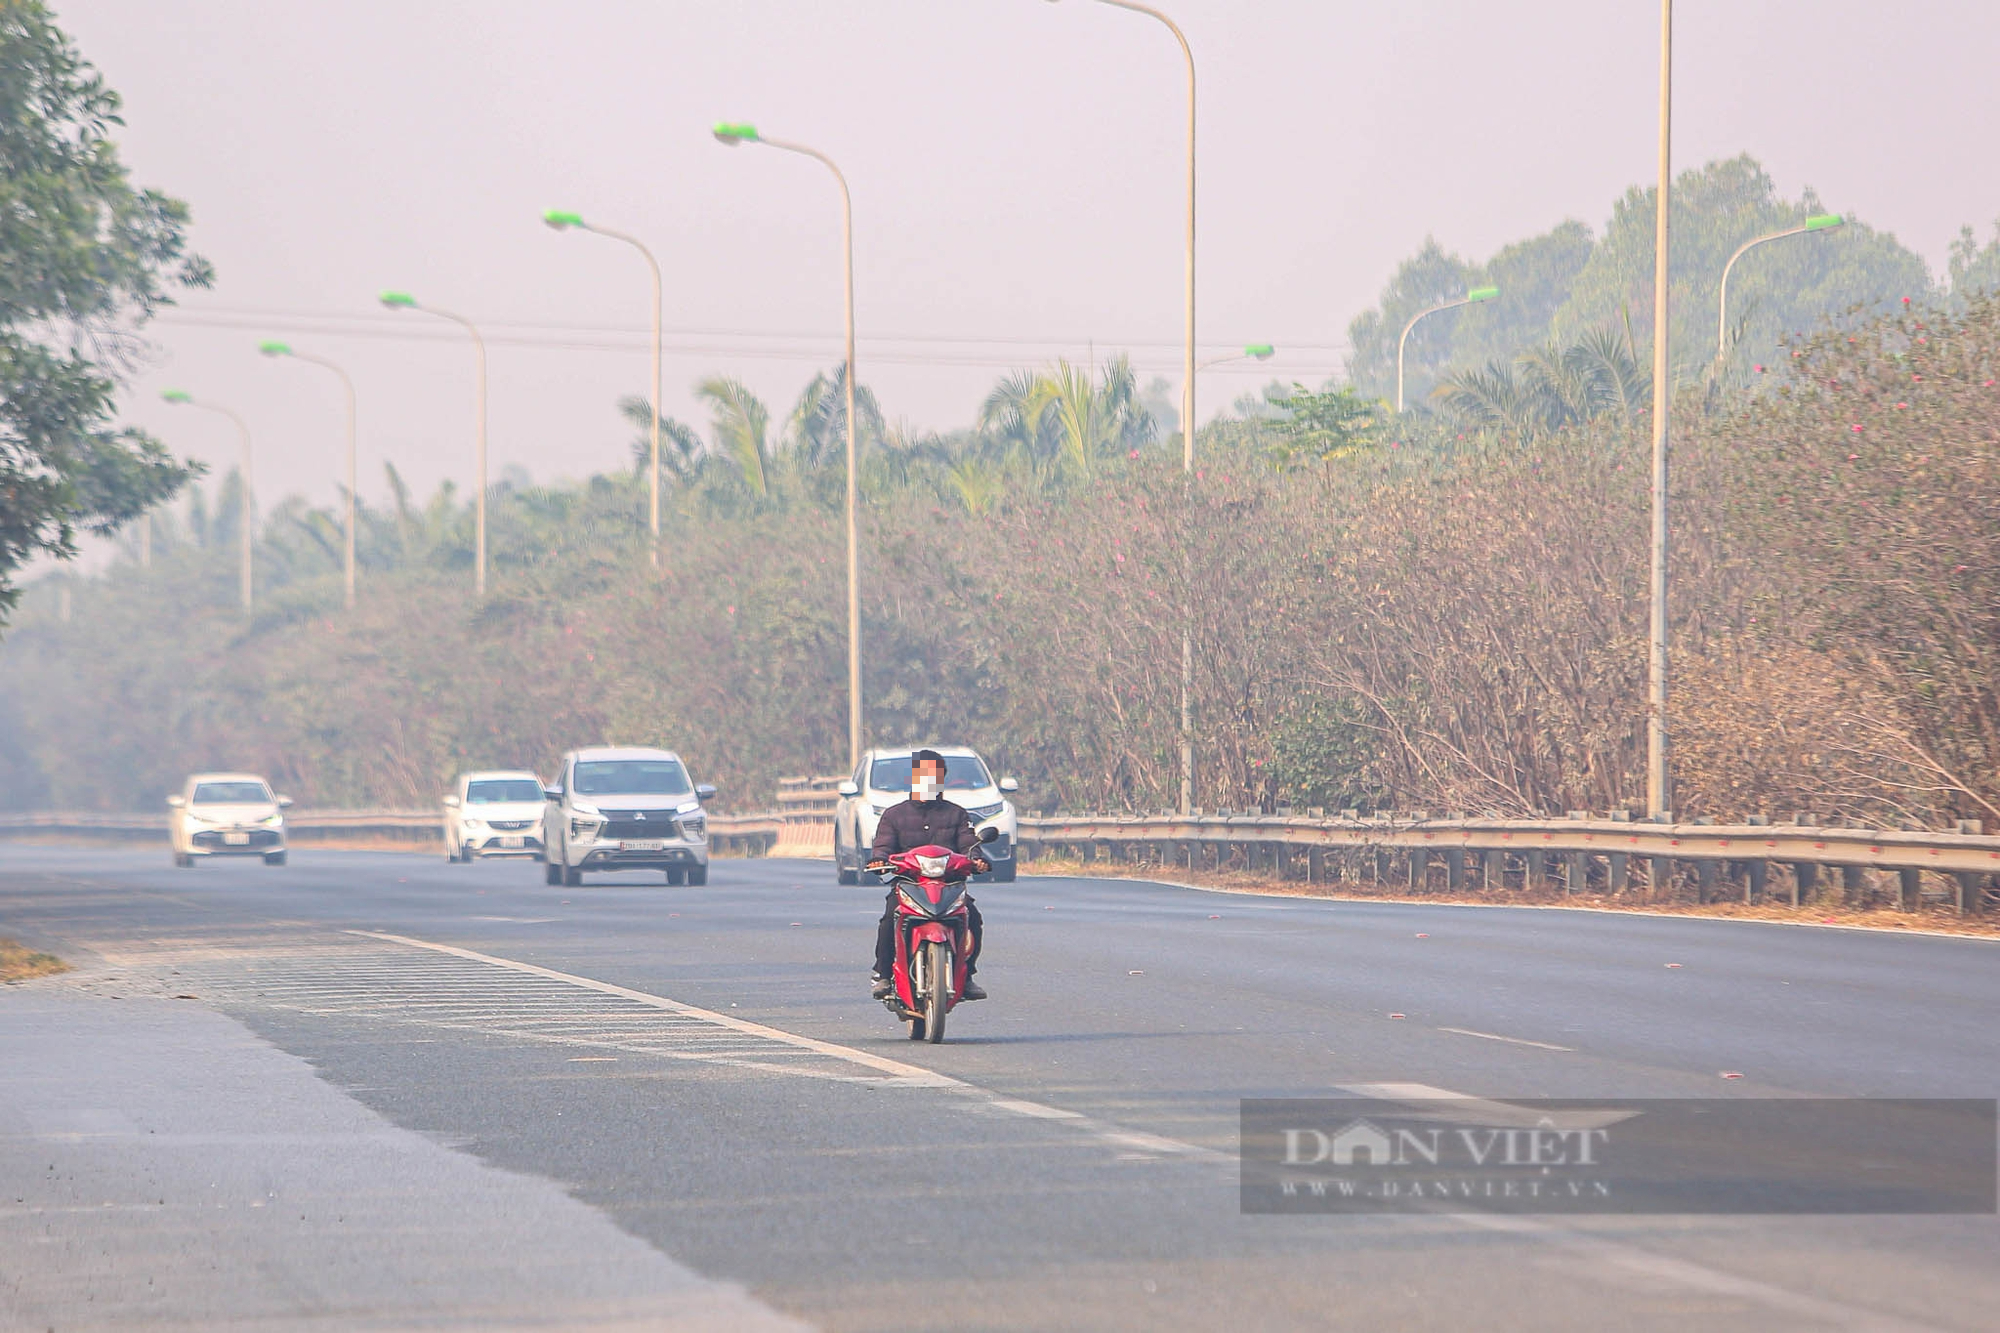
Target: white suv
(493, 814)
(625, 809)
(227, 814)
(882, 778)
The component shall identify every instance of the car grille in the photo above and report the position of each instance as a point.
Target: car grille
(261, 837)
(509, 825)
(640, 824)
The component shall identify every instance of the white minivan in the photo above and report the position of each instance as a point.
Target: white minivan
(493, 814)
(625, 808)
(227, 814)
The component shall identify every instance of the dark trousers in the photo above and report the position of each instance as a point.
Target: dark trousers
(885, 937)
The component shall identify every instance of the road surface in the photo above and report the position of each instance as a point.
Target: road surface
(489, 1102)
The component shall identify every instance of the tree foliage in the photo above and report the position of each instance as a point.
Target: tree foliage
(84, 260)
(1560, 286)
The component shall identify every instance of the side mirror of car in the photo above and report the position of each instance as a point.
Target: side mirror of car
(177, 801)
(451, 803)
(1009, 785)
(552, 793)
(849, 789)
(989, 834)
(284, 802)
(704, 790)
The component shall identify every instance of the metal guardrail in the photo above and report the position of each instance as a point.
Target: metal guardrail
(1490, 855)
(728, 835)
(1495, 855)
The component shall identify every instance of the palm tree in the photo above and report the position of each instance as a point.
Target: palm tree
(817, 431)
(681, 450)
(1550, 387)
(741, 430)
(1059, 415)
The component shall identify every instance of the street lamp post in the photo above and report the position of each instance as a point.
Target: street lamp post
(1824, 222)
(1188, 370)
(1254, 352)
(274, 348)
(1656, 647)
(404, 301)
(733, 135)
(562, 221)
(246, 520)
(1477, 294)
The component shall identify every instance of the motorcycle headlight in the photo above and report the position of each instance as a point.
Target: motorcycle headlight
(913, 901)
(932, 867)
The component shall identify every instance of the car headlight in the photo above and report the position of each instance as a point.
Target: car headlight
(585, 826)
(877, 810)
(986, 811)
(694, 825)
(475, 824)
(274, 821)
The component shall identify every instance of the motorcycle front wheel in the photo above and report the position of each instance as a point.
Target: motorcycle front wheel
(937, 989)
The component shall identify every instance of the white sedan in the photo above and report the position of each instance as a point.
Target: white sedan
(493, 814)
(227, 814)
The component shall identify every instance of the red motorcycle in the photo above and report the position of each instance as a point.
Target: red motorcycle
(933, 941)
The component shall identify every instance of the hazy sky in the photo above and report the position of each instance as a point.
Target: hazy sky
(1016, 168)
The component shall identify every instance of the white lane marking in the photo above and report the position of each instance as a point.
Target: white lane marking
(1036, 1109)
(1421, 1095)
(1517, 1041)
(907, 1075)
(1694, 1276)
(901, 1075)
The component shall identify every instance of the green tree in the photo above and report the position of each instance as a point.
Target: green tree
(1974, 270)
(85, 260)
(1058, 415)
(1778, 290)
(1319, 426)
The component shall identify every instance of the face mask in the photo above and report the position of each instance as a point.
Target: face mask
(927, 789)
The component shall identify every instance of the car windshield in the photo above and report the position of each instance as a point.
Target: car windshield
(962, 772)
(632, 777)
(230, 793)
(492, 791)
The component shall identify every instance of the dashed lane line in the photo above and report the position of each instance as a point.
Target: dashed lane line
(1515, 1041)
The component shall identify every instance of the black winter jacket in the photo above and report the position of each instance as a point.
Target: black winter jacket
(915, 823)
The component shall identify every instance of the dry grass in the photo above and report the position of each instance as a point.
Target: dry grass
(18, 962)
(1939, 921)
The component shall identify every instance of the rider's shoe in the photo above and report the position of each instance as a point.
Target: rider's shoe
(973, 990)
(880, 987)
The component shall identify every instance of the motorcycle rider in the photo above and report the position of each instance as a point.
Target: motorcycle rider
(924, 820)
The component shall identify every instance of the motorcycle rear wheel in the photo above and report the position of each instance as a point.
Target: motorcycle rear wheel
(937, 989)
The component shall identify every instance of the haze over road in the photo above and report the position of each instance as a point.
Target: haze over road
(701, 1071)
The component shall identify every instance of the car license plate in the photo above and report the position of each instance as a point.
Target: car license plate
(642, 845)
(513, 840)
(236, 839)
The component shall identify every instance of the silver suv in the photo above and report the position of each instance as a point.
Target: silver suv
(625, 808)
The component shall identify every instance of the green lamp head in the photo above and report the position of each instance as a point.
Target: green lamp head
(399, 300)
(562, 221)
(730, 134)
(1482, 293)
(1260, 351)
(1824, 221)
(275, 348)
(178, 396)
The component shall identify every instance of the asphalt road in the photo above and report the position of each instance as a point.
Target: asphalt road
(702, 1068)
